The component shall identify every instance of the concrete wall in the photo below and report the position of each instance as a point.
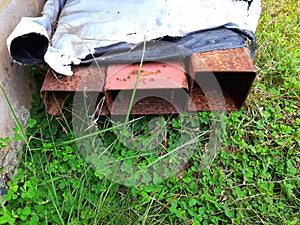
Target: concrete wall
(13, 77)
(15, 80)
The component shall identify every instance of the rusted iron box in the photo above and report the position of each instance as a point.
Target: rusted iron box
(209, 81)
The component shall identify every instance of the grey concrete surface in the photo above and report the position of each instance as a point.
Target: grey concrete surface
(14, 78)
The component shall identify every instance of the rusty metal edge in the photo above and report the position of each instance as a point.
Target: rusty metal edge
(237, 60)
(55, 88)
(222, 61)
(120, 76)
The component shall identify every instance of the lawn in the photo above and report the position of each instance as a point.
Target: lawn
(253, 178)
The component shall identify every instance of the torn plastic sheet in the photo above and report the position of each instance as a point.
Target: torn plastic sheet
(169, 48)
(84, 27)
(29, 41)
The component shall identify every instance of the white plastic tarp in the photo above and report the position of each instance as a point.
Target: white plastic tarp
(85, 25)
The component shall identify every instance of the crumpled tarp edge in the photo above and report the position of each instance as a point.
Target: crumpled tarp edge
(33, 34)
(42, 27)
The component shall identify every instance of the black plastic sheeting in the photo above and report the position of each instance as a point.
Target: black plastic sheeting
(29, 49)
(174, 48)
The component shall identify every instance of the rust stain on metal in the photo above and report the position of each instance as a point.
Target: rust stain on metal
(154, 77)
(89, 77)
(232, 69)
(200, 102)
(54, 102)
(85, 78)
(236, 59)
(147, 106)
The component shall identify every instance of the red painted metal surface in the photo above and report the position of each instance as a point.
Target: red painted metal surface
(160, 88)
(153, 75)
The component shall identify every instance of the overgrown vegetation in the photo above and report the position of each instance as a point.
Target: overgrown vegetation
(254, 178)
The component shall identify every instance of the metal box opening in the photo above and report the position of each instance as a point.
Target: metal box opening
(234, 87)
(220, 80)
(160, 88)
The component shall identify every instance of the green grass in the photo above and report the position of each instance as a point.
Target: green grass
(253, 179)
